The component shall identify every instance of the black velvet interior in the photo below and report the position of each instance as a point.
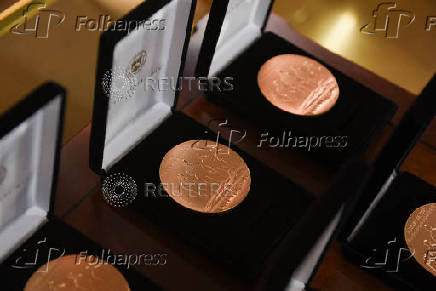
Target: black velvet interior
(240, 238)
(387, 223)
(59, 236)
(358, 114)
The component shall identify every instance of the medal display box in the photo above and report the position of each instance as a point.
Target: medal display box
(377, 234)
(131, 135)
(235, 46)
(30, 235)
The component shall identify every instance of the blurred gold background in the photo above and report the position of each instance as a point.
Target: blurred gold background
(69, 57)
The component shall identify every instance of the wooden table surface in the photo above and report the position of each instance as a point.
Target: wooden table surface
(70, 56)
(79, 202)
(79, 199)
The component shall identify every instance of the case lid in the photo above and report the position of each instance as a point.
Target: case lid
(232, 27)
(296, 259)
(141, 58)
(403, 139)
(30, 139)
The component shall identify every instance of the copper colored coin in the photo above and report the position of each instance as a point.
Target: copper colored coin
(65, 274)
(420, 236)
(205, 176)
(298, 85)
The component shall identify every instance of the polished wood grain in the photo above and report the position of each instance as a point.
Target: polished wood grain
(76, 179)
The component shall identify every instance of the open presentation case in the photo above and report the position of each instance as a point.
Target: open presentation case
(374, 238)
(235, 46)
(135, 125)
(30, 234)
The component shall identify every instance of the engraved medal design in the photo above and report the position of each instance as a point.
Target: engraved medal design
(205, 176)
(69, 274)
(420, 236)
(298, 85)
